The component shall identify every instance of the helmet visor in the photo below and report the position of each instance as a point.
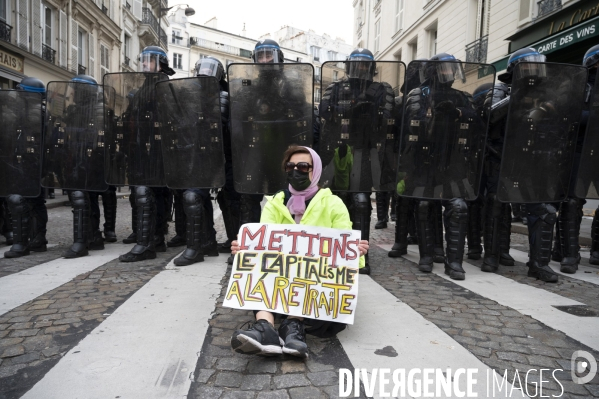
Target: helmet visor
(449, 72)
(209, 67)
(530, 69)
(360, 70)
(148, 62)
(591, 59)
(265, 55)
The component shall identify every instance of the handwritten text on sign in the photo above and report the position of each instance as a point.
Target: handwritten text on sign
(296, 270)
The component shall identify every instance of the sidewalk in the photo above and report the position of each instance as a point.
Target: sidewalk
(63, 200)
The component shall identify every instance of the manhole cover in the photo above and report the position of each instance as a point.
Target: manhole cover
(579, 310)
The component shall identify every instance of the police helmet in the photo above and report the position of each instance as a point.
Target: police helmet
(154, 59)
(210, 66)
(591, 58)
(480, 93)
(31, 84)
(526, 54)
(360, 64)
(267, 51)
(85, 90)
(445, 69)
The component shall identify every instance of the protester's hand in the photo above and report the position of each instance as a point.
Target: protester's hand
(234, 247)
(362, 246)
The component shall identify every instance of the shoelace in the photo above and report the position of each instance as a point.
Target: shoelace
(252, 325)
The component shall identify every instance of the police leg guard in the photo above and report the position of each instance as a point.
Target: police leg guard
(594, 259)
(81, 224)
(7, 228)
(412, 230)
(557, 249)
(400, 247)
(96, 239)
(132, 238)
(180, 221)
(456, 228)
(475, 249)
(426, 239)
(21, 215)
(145, 203)
(570, 217)
(224, 247)
(37, 242)
(437, 218)
(362, 210)
(193, 207)
(540, 236)
(382, 209)
(393, 213)
(493, 214)
(505, 232)
(109, 205)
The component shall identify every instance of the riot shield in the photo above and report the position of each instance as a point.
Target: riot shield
(74, 137)
(587, 181)
(542, 125)
(271, 108)
(360, 125)
(190, 119)
(444, 130)
(20, 143)
(133, 136)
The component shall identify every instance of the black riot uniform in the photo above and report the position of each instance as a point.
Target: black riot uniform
(370, 103)
(150, 202)
(24, 219)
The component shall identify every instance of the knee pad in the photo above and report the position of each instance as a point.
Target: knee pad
(424, 208)
(79, 199)
(143, 195)
(547, 213)
(16, 204)
(362, 202)
(192, 203)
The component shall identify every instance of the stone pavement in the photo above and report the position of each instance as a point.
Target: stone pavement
(35, 336)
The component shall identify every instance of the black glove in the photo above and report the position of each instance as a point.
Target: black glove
(447, 108)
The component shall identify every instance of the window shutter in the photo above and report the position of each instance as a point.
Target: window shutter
(22, 31)
(137, 12)
(92, 55)
(74, 48)
(36, 28)
(62, 40)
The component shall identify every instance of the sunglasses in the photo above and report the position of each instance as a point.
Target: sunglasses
(301, 166)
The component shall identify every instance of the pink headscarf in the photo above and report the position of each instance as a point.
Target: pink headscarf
(297, 202)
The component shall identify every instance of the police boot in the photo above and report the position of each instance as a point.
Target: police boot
(426, 239)
(382, 209)
(21, 215)
(456, 227)
(361, 221)
(401, 229)
(393, 214)
(179, 239)
(133, 236)
(540, 244)
(474, 230)
(493, 212)
(437, 219)
(81, 225)
(109, 205)
(557, 249)
(192, 204)
(38, 242)
(505, 232)
(570, 217)
(412, 230)
(145, 203)
(594, 259)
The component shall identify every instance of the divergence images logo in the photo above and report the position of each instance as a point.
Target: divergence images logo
(579, 366)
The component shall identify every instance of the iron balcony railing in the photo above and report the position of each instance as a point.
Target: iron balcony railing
(477, 50)
(48, 54)
(104, 9)
(225, 48)
(149, 19)
(81, 70)
(547, 7)
(128, 6)
(127, 60)
(5, 30)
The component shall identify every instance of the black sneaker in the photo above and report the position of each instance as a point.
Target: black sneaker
(292, 334)
(260, 338)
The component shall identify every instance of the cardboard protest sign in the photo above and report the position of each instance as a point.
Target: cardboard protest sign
(296, 270)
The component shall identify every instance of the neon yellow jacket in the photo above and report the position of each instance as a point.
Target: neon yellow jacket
(324, 210)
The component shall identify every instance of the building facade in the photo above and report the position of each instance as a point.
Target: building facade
(485, 31)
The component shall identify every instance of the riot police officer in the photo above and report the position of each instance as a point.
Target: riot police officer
(27, 217)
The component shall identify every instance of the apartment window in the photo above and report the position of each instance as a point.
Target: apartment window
(317, 72)
(176, 37)
(399, 7)
(525, 9)
(315, 51)
(104, 60)
(433, 42)
(332, 55)
(335, 76)
(177, 61)
(317, 95)
(47, 34)
(414, 50)
(127, 46)
(482, 20)
(81, 40)
(377, 35)
(3, 10)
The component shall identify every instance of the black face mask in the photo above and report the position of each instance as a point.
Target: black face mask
(298, 180)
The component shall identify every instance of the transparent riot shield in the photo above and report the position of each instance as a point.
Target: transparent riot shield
(190, 119)
(20, 143)
(74, 137)
(271, 108)
(360, 124)
(444, 130)
(542, 124)
(133, 135)
(587, 180)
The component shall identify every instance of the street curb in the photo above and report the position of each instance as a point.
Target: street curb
(519, 228)
(58, 204)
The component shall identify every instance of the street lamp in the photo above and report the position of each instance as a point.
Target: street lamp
(163, 11)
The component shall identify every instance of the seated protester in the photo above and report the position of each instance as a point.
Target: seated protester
(305, 203)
